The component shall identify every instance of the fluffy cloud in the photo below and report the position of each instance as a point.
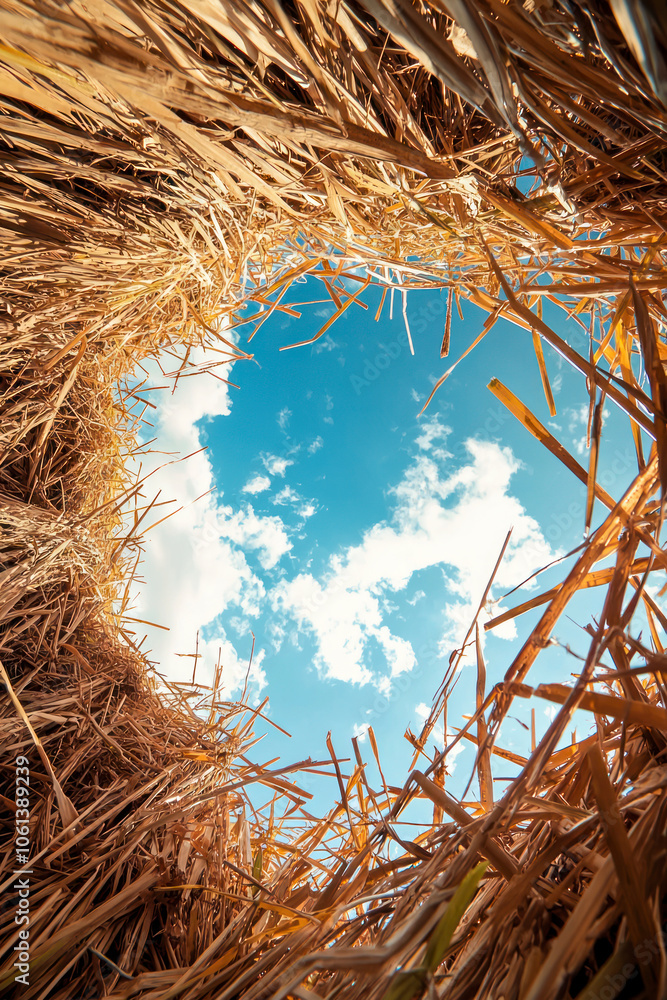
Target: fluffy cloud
(276, 465)
(340, 620)
(432, 431)
(398, 652)
(284, 496)
(252, 531)
(193, 566)
(360, 731)
(288, 496)
(258, 484)
(234, 667)
(456, 520)
(578, 422)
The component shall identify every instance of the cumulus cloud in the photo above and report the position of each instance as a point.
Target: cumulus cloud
(398, 652)
(340, 620)
(258, 484)
(360, 731)
(194, 566)
(284, 418)
(315, 445)
(288, 496)
(285, 495)
(217, 647)
(252, 531)
(276, 465)
(456, 520)
(432, 430)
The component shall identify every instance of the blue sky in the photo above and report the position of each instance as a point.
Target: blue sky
(354, 537)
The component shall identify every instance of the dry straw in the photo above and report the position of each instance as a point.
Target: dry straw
(163, 165)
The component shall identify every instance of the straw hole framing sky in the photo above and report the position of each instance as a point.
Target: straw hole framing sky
(351, 536)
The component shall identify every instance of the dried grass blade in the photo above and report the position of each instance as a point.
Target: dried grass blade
(68, 813)
(648, 338)
(627, 710)
(641, 922)
(332, 319)
(591, 484)
(539, 431)
(546, 384)
(484, 754)
(449, 371)
(446, 339)
(491, 849)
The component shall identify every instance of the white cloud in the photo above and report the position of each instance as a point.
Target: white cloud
(285, 495)
(252, 531)
(360, 731)
(339, 619)
(417, 596)
(578, 421)
(234, 667)
(283, 418)
(457, 522)
(192, 570)
(277, 634)
(276, 465)
(324, 343)
(304, 508)
(398, 652)
(432, 430)
(315, 445)
(257, 484)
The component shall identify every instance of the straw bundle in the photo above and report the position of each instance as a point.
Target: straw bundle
(164, 165)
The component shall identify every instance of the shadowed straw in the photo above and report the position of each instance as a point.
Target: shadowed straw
(166, 166)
